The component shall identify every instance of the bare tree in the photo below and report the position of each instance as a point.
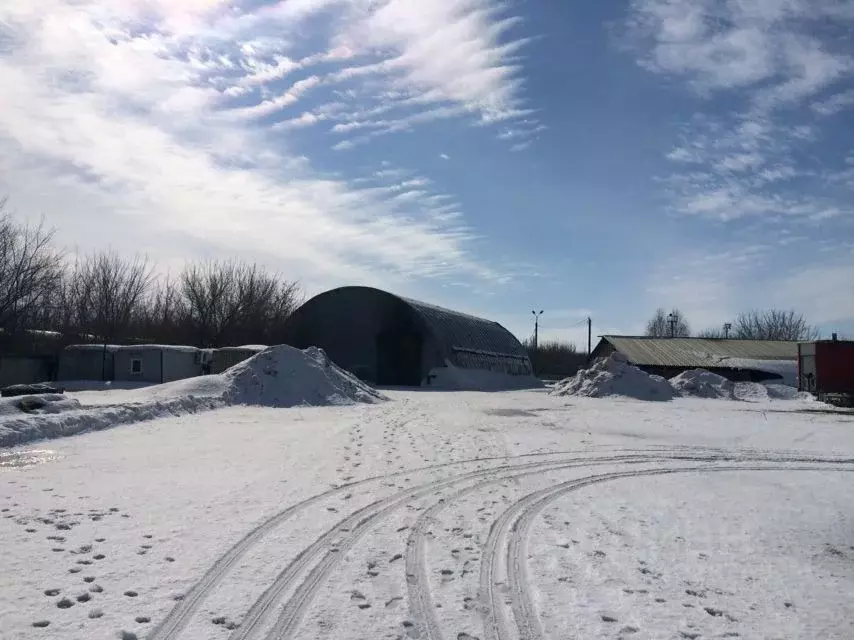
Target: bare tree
(773, 324)
(234, 303)
(161, 313)
(30, 268)
(555, 358)
(106, 292)
(662, 325)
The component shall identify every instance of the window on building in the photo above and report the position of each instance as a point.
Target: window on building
(136, 366)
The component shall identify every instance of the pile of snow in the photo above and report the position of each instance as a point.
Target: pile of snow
(700, 383)
(614, 376)
(763, 391)
(452, 378)
(280, 376)
(286, 377)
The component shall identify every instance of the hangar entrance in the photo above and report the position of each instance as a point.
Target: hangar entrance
(399, 358)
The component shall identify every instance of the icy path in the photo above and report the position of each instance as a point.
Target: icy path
(439, 515)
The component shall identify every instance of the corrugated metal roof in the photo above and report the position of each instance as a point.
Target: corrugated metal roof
(699, 352)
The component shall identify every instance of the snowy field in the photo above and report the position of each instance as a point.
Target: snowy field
(437, 515)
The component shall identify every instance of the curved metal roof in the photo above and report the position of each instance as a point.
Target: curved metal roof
(462, 332)
(454, 331)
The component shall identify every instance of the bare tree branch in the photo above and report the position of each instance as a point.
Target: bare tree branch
(773, 324)
(30, 268)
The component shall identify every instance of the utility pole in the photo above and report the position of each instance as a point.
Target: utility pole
(589, 336)
(727, 327)
(672, 320)
(536, 328)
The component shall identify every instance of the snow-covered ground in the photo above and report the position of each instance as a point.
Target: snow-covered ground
(438, 515)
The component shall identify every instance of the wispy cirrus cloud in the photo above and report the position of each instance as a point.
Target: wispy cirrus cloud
(178, 114)
(396, 63)
(783, 67)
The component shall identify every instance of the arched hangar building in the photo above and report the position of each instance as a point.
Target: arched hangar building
(388, 340)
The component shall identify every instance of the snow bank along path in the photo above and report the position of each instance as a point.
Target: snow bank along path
(279, 376)
(280, 610)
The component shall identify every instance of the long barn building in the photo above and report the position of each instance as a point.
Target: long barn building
(737, 360)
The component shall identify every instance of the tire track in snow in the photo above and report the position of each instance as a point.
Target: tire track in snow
(328, 556)
(181, 614)
(357, 525)
(524, 512)
(421, 607)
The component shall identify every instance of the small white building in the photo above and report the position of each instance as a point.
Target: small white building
(154, 363)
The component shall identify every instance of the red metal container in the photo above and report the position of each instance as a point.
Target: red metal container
(826, 367)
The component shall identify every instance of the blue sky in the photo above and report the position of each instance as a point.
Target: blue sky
(585, 158)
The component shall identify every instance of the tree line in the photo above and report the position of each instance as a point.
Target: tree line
(553, 358)
(104, 297)
(769, 324)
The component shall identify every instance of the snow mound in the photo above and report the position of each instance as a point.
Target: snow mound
(700, 383)
(40, 404)
(277, 377)
(784, 392)
(614, 376)
(764, 391)
(285, 377)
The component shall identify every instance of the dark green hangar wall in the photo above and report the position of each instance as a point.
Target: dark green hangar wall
(393, 341)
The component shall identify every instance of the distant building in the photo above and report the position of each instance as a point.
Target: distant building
(226, 357)
(737, 360)
(388, 340)
(86, 362)
(156, 364)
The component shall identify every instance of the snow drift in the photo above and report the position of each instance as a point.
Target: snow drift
(452, 378)
(280, 376)
(764, 391)
(700, 383)
(614, 376)
(286, 377)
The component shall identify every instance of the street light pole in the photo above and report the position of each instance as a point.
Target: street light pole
(536, 328)
(673, 319)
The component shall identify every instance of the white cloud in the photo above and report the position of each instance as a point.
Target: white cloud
(451, 59)
(836, 103)
(444, 156)
(771, 61)
(772, 44)
(135, 124)
(301, 122)
(288, 98)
